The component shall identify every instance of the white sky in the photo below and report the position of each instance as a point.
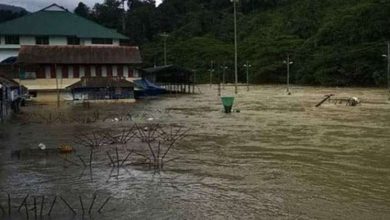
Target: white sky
(34, 5)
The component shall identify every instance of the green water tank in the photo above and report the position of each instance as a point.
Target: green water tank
(227, 102)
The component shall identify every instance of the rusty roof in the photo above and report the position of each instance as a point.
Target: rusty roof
(44, 54)
(102, 82)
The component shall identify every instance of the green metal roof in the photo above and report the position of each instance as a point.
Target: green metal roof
(57, 23)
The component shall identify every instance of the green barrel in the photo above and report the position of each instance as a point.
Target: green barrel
(227, 103)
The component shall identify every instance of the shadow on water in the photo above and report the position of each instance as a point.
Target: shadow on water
(280, 157)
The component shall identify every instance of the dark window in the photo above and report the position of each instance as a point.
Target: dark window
(76, 71)
(73, 41)
(33, 93)
(11, 39)
(42, 40)
(101, 41)
(120, 70)
(98, 70)
(124, 43)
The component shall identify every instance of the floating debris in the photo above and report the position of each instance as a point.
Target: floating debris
(350, 101)
(42, 146)
(65, 149)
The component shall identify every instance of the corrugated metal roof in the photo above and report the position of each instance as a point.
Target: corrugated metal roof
(102, 82)
(44, 54)
(57, 23)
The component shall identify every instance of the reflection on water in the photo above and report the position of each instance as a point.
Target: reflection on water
(279, 158)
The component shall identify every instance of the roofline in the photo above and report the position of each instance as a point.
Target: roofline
(60, 35)
(66, 11)
(111, 29)
(54, 4)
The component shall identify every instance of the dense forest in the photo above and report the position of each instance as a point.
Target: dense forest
(8, 12)
(331, 42)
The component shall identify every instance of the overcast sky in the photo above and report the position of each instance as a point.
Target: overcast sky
(34, 5)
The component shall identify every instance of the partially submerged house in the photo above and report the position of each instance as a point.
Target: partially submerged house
(171, 77)
(54, 48)
(47, 69)
(102, 89)
(11, 97)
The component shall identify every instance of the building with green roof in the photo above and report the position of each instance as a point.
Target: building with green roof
(53, 25)
(49, 50)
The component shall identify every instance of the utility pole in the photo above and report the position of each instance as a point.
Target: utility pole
(224, 68)
(57, 86)
(247, 66)
(211, 70)
(165, 37)
(388, 67)
(219, 83)
(235, 48)
(288, 63)
(123, 17)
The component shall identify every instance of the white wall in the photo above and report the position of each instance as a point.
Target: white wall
(27, 40)
(88, 42)
(5, 53)
(58, 41)
(85, 41)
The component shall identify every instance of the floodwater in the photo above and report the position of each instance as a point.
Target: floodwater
(278, 158)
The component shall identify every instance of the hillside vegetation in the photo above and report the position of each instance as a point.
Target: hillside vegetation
(331, 42)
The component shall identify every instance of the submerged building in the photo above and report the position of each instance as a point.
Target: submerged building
(54, 48)
(102, 89)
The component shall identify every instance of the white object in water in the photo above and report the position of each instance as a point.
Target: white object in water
(356, 99)
(353, 101)
(150, 119)
(42, 146)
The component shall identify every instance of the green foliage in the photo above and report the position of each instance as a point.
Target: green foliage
(82, 10)
(332, 42)
(6, 15)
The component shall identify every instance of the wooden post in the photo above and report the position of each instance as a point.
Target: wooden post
(57, 86)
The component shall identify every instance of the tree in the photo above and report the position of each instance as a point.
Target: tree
(82, 10)
(109, 14)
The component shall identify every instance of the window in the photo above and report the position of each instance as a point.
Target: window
(29, 75)
(33, 93)
(44, 40)
(73, 41)
(124, 42)
(101, 41)
(11, 39)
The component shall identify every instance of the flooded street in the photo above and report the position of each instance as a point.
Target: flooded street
(278, 158)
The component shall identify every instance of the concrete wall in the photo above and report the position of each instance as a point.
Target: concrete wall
(5, 53)
(88, 42)
(58, 41)
(51, 96)
(51, 84)
(27, 40)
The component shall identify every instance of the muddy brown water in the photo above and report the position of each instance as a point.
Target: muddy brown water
(279, 158)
